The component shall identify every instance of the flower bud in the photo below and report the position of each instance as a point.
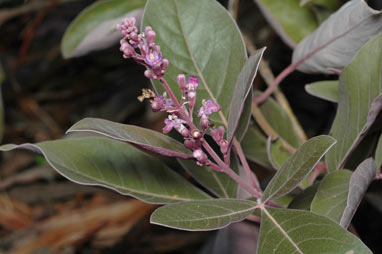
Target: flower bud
(224, 146)
(181, 80)
(204, 122)
(149, 74)
(200, 156)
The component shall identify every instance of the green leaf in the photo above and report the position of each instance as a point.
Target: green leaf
(327, 90)
(117, 166)
(279, 13)
(148, 139)
(331, 197)
(341, 192)
(243, 89)
(360, 101)
(203, 215)
(201, 39)
(339, 38)
(378, 153)
(280, 121)
(277, 153)
(304, 199)
(359, 181)
(294, 231)
(254, 145)
(330, 4)
(297, 167)
(217, 182)
(94, 27)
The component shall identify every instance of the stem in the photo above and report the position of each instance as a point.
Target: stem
(226, 169)
(276, 82)
(248, 171)
(293, 67)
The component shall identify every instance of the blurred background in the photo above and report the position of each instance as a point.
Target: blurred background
(43, 95)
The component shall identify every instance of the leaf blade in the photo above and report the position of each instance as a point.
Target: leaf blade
(297, 167)
(327, 90)
(278, 13)
(331, 196)
(148, 139)
(117, 166)
(341, 35)
(360, 101)
(202, 215)
(195, 45)
(242, 90)
(359, 181)
(94, 27)
(295, 231)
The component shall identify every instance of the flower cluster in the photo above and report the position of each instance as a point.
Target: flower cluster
(150, 53)
(180, 114)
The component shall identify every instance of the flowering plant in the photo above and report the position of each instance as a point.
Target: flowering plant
(203, 79)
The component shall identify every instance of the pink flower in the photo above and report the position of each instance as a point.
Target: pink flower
(208, 108)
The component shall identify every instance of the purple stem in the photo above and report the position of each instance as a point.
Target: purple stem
(246, 166)
(292, 67)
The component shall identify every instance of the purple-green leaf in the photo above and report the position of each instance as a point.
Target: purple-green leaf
(277, 153)
(201, 39)
(297, 167)
(146, 138)
(203, 215)
(327, 90)
(340, 37)
(115, 165)
(94, 28)
(242, 89)
(254, 145)
(330, 199)
(359, 181)
(290, 20)
(302, 232)
(359, 102)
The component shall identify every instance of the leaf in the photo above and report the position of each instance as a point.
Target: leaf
(279, 121)
(304, 199)
(378, 153)
(340, 37)
(148, 139)
(217, 182)
(294, 231)
(243, 89)
(330, 4)
(200, 39)
(115, 165)
(279, 13)
(254, 145)
(327, 90)
(330, 200)
(297, 167)
(277, 153)
(202, 215)
(360, 101)
(94, 27)
(359, 181)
